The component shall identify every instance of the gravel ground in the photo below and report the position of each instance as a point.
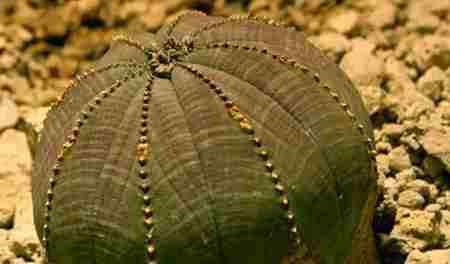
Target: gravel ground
(397, 52)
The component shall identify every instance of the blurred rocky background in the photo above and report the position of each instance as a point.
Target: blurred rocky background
(397, 52)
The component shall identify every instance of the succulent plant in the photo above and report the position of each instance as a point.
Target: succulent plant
(216, 140)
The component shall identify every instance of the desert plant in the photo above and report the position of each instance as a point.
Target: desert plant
(217, 140)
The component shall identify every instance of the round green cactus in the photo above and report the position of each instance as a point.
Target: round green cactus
(217, 140)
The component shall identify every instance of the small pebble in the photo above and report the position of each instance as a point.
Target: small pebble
(8, 112)
(7, 210)
(399, 159)
(411, 199)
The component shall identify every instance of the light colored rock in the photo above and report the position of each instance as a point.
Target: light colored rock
(433, 208)
(18, 36)
(364, 45)
(391, 188)
(361, 65)
(383, 147)
(434, 193)
(15, 166)
(411, 199)
(410, 174)
(45, 96)
(411, 141)
(417, 257)
(87, 6)
(390, 183)
(6, 256)
(8, 59)
(422, 228)
(20, 87)
(4, 43)
(59, 67)
(14, 154)
(383, 163)
(372, 96)
(444, 199)
(155, 16)
(332, 43)
(398, 72)
(431, 84)
(382, 15)
(443, 109)
(440, 7)
(420, 186)
(431, 51)
(24, 241)
(54, 23)
(443, 202)
(421, 18)
(439, 256)
(434, 120)
(393, 130)
(19, 261)
(405, 176)
(343, 21)
(296, 16)
(437, 144)
(409, 104)
(38, 71)
(382, 40)
(399, 159)
(445, 227)
(8, 112)
(133, 8)
(7, 210)
(34, 116)
(414, 104)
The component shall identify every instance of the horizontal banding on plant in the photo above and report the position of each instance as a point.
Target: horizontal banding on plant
(305, 70)
(210, 184)
(245, 125)
(69, 143)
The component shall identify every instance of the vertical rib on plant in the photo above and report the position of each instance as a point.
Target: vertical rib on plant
(214, 141)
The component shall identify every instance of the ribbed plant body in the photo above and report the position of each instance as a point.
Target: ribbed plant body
(214, 141)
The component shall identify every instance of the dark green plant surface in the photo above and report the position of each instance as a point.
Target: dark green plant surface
(214, 141)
